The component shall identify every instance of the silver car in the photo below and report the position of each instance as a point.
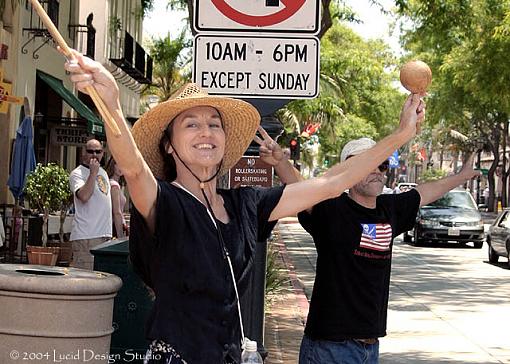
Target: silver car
(453, 217)
(498, 237)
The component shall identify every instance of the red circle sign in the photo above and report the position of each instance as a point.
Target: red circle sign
(291, 7)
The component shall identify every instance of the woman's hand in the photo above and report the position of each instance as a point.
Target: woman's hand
(269, 151)
(86, 72)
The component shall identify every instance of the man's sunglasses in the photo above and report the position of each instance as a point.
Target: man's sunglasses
(94, 151)
(384, 166)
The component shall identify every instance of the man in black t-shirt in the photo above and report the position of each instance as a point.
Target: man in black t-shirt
(353, 234)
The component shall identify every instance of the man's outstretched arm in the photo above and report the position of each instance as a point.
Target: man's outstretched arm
(431, 191)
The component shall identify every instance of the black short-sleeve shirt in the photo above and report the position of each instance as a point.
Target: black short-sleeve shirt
(195, 309)
(354, 246)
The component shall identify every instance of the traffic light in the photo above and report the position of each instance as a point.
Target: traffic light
(294, 149)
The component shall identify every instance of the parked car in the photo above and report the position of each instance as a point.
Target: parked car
(498, 237)
(453, 217)
(405, 186)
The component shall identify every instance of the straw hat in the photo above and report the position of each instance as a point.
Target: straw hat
(240, 121)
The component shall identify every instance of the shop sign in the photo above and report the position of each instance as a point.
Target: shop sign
(5, 95)
(69, 135)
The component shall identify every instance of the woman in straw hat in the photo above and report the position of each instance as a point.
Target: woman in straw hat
(190, 242)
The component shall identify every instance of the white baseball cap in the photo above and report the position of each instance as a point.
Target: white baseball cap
(355, 147)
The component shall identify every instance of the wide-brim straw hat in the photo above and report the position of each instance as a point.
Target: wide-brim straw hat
(239, 118)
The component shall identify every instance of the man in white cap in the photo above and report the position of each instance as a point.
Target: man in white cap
(353, 234)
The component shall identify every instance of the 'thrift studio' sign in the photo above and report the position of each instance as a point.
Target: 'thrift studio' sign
(251, 171)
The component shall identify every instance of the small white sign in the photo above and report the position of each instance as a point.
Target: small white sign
(272, 16)
(270, 67)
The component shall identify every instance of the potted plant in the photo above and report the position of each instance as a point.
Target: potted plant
(47, 190)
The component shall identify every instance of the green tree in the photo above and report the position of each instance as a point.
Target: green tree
(47, 190)
(170, 62)
(465, 44)
(357, 97)
(432, 174)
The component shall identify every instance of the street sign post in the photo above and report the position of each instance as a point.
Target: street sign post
(394, 160)
(257, 66)
(272, 16)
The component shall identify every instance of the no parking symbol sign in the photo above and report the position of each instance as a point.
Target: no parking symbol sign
(272, 16)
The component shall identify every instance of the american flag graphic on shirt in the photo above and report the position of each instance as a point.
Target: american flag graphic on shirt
(376, 237)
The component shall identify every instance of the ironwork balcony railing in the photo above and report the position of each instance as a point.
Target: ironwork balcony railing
(37, 29)
(84, 37)
(130, 57)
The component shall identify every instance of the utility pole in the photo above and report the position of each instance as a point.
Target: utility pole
(478, 166)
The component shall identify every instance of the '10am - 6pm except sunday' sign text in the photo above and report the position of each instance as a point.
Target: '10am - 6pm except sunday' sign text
(257, 66)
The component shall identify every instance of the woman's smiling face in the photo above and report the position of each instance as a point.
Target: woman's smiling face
(198, 137)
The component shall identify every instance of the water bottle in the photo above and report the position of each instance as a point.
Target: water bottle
(250, 354)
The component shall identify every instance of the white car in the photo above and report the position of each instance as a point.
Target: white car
(405, 186)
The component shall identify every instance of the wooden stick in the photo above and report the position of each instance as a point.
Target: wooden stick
(102, 108)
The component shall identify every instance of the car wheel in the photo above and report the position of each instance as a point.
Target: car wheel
(493, 256)
(508, 252)
(417, 240)
(478, 244)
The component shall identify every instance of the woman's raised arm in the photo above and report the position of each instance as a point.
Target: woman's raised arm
(141, 182)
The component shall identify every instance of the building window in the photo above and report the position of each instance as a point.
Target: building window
(53, 10)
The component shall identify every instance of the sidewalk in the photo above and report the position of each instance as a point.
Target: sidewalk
(426, 326)
(286, 315)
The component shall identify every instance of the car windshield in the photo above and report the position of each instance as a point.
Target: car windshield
(459, 199)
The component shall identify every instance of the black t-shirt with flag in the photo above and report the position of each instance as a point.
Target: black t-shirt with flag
(354, 246)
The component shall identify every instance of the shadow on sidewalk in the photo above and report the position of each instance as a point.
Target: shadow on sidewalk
(286, 312)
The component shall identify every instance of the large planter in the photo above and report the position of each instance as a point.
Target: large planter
(41, 255)
(65, 312)
(65, 254)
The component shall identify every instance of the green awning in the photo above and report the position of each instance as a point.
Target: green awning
(94, 124)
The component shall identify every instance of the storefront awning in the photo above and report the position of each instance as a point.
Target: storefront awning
(94, 124)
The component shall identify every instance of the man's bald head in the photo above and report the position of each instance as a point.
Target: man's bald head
(93, 149)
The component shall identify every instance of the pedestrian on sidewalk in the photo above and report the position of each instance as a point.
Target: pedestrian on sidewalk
(353, 234)
(92, 223)
(190, 242)
(119, 226)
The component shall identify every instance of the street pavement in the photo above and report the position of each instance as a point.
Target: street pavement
(447, 303)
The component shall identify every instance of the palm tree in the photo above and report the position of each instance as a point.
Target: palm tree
(170, 66)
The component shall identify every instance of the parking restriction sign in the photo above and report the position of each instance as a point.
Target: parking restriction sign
(257, 66)
(272, 16)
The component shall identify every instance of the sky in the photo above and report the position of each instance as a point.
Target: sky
(374, 24)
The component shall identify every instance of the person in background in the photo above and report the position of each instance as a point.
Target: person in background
(486, 194)
(386, 189)
(119, 228)
(92, 223)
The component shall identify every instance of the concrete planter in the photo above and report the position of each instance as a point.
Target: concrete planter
(55, 314)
